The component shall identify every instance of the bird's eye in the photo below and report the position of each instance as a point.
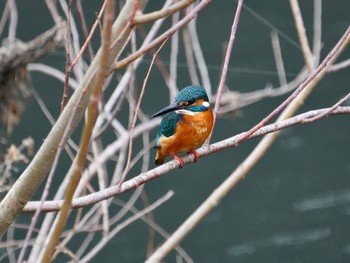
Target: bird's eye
(191, 101)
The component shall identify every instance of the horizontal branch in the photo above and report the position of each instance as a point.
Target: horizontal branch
(146, 18)
(51, 206)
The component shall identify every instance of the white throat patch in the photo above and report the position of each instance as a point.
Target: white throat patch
(186, 112)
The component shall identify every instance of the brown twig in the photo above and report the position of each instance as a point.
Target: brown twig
(68, 58)
(84, 26)
(226, 64)
(70, 66)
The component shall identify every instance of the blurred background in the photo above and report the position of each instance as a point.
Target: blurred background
(295, 204)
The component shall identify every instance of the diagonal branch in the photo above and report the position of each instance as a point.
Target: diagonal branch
(165, 35)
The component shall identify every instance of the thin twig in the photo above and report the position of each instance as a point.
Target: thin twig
(317, 39)
(124, 224)
(84, 26)
(70, 66)
(198, 53)
(51, 5)
(339, 66)
(146, 18)
(325, 113)
(132, 128)
(308, 57)
(226, 64)
(68, 58)
(333, 54)
(165, 35)
(190, 61)
(278, 58)
(122, 86)
(174, 52)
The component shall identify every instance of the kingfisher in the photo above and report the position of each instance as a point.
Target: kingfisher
(187, 124)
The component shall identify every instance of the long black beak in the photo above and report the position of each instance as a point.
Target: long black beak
(172, 107)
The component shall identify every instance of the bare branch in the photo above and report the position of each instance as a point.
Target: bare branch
(339, 66)
(146, 18)
(317, 39)
(132, 128)
(325, 113)
(226, 63)
(308, 57)
(278, 58)
(127, 222)
(50, 206)
(167, 34)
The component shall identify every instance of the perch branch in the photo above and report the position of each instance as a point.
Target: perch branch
(51, 206)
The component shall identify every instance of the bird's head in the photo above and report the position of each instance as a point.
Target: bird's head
(190, 100)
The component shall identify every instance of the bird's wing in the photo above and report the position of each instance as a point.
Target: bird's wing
(167, 126)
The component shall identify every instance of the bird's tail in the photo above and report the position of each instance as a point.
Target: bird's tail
(159, 158)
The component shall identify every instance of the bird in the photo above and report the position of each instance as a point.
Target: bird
(186, 124)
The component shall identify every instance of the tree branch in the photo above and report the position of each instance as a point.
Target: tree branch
(151, 17)
(51, 206)
(165, 35)
(31, 178)
(308, 57)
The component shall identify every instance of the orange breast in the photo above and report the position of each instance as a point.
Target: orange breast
(191, 132)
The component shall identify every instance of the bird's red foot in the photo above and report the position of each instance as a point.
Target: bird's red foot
(195, 154)
(181, 162)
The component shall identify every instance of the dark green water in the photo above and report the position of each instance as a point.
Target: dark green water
(295, 204)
